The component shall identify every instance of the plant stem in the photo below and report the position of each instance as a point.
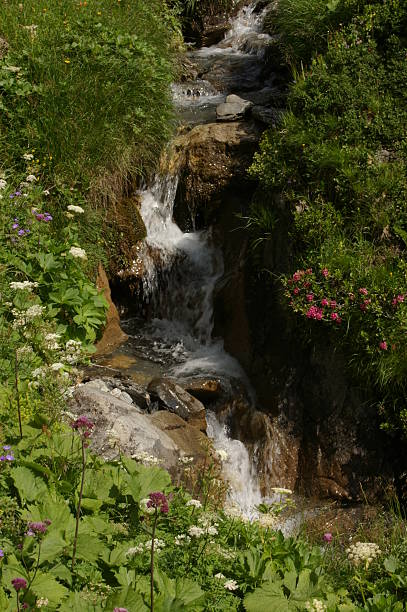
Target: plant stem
(17, 392)
(78, 512)
(37, 566)
(18, 602)
(152, 561)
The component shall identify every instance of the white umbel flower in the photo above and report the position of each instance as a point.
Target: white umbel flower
(3, 184)
(231, 585)
(31, 178)
(27, 285)
(28, 156)
(196, 532)
(55, 367)
(316, 605)
(363, 552)
(219, 576)
(78, 252)
(42, 601)
(75, 209)
(194, 502)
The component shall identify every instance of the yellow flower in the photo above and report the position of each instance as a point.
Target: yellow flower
(67, 61)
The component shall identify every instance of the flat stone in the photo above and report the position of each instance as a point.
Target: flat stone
(175, 399)
(204, 389)
(233, 109)
(269, 116)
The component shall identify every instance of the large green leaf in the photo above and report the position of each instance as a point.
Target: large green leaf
(268, 597)
(76, 602)
(45, 585)
(143, 480)
(29, 486)
(54, 509)
(52, 547)
(89, 547)
(126, 597)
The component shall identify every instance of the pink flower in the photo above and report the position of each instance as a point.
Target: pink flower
(333, 304)
(363, 291)
(315, 313)
(296, 291)
(400, 298)
(394, 301)
(308, 271)
(325, 272)
(324, 302)
(334, 316)
(307, 284)
(297, 275)
(310, 297)
(328, 537)
(383, 345)
(158, 501)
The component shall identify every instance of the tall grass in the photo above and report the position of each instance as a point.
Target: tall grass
(102, 69)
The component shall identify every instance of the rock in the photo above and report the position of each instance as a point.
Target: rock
(99, 384)
(214, 33)
(175, 399)
(268, 96)
(269, 116)
(204, 389)
(121, 388)
(233, 109)
(211, 159)
(123, 428)
(113, 336)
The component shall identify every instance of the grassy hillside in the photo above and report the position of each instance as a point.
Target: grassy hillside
(339, 160)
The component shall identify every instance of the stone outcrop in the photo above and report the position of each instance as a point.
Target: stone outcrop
(172, 397)
(113, 336)
(212, 160)
(123, 427)
(234, 109)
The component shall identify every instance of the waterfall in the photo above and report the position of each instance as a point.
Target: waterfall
(181, 271)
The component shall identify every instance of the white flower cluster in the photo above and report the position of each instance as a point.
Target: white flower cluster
(268, 521)
(146, 459)
(76, 209)
(27, 285)
(231, 585)
(3, 184)
(281, 491)
(145, 508)
(28, 156)
(145, 547)
(39, 372)
(23, 317)
(182, 539)
(185, 460)
(316, 605)
(219, 576)
(55, 367)
(42, 601)
(73, 349)
(25, 350)
(78, 253)
(195, 503)
(51, 341)
(363, 552)
(197, 532)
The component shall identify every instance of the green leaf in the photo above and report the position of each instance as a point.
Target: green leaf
(52, 547)
(89, 547)
(391, 564)
(144, 480)
(44, 585)
(27, 484)
(268, 597)
(76, 602)
(126, 597)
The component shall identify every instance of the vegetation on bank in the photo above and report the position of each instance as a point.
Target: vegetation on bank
(339, 160)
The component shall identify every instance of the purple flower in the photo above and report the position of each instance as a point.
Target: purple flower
(30, 533)
(7, 447)
(120, 610)
(19, 583)
(17, 193)
(328, 537)
(38, 526)
(1, 552)
(158, 501)
(15, 226)
(11, 196)
(7, 457)
(21, 232)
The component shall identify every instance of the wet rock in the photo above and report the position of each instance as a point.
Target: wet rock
(205, 390)
(268, 96)
(135, 392)
(234, 109)
(214, 33)
(175, 399)
(113, 336)
(268, 116)
(212, 160)
(233, 73)
(123, 428)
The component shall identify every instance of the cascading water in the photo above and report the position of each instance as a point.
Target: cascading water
(182, 269)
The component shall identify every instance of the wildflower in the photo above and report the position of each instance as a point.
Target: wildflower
(28, 156)
(19, 583)
(78, 252)
(363, 552)
(324, 302)
(315, 606)
(196, 532)
(327, 537)
(46, 192)
(194, 502)
(83, 425)
(1, 552)
(185, 460)
(43, 601)
(34, 311)
(182, 539)
(231, 585)
(12, 68)
(298, 275)
(75, 209)
(38, 372)
(135, 550)
(55, 367)
(219, 576)
(383, 345)
(3, 183)
(8, 457)
(39, 526)
(315, 313)
(333, 304)
(222, 454)
(281, 491)
(296, 291)
(308, 271)
(310, 297)
(363, 291)
(212, 530)
(335, 317)
(24, 285)
(120, 610)
(144, 505)
(31, 178)
(158, 501)
(325, 272)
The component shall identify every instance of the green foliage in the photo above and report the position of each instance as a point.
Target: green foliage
(339, 162)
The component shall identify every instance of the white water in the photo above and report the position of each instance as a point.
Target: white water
(180, 274)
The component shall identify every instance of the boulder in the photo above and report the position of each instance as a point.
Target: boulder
(234, 109)
(205, 390)
(174, 398)
(113, 336)
(121, 427)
